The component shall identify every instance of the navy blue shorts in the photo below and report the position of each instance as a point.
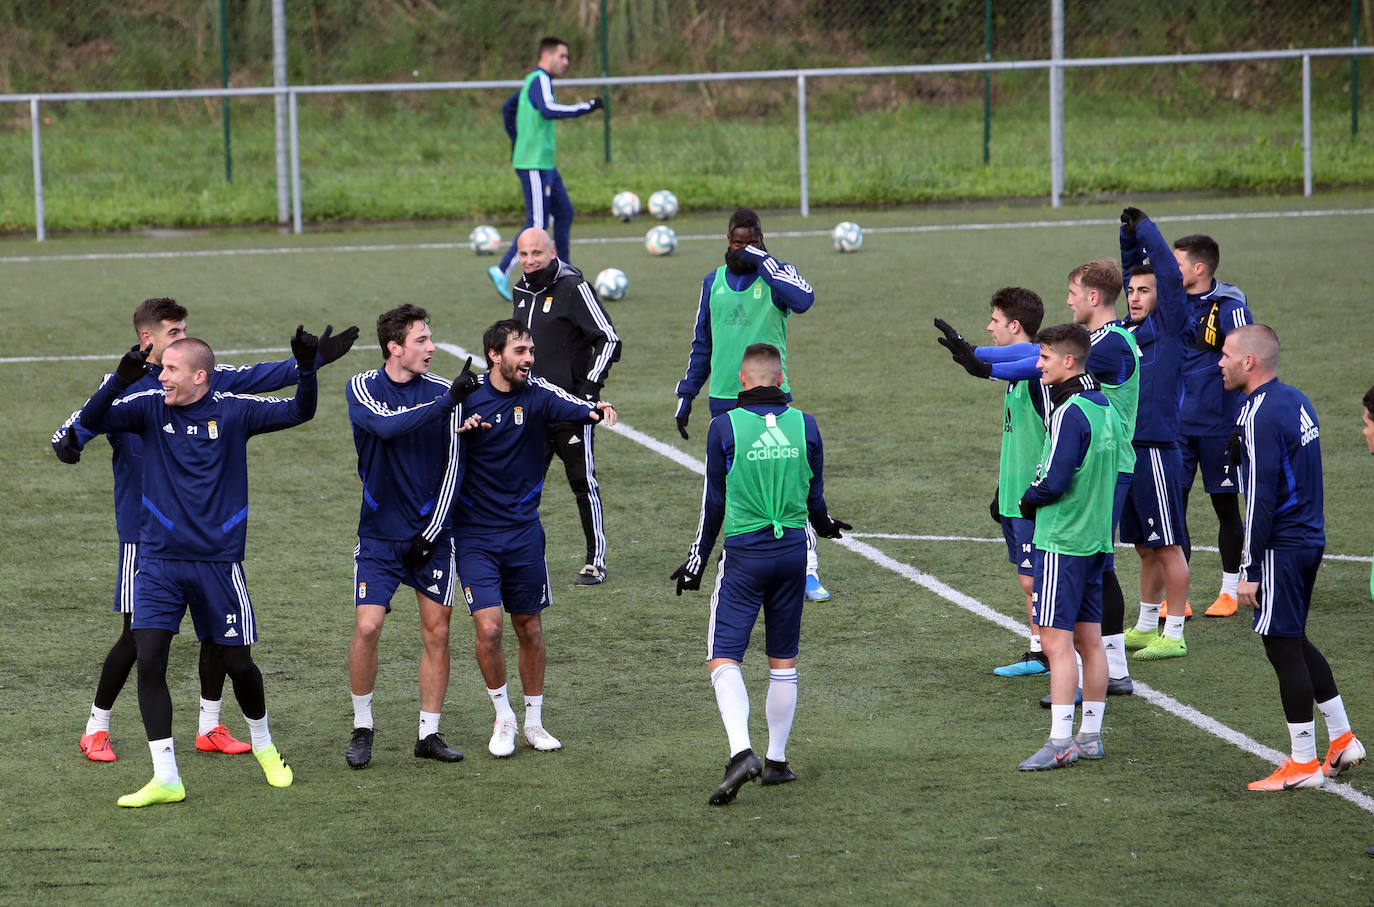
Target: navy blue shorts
(1119, 495)
(1068, 589)
(747, 581)
(1285, 591)
(1154, 510)
(378, 571)
(1019, 534)
(1208, 452)
(215, 592)
(124, 577)
(504, 567)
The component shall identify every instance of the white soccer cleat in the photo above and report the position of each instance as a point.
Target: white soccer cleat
(540, 739)
(503, 737)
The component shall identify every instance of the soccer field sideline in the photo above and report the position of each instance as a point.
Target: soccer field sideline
(702, 237)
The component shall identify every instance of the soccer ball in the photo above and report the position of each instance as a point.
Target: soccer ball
(847, 237)
(612, 284)
(625, 205)
(660, 240)
(663, 204)
(485, 240)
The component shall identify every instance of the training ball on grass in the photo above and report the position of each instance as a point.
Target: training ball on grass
(612, 284)
(625, 205)
(663, 204)
(660, 240)
(485, 240)
(847, 236)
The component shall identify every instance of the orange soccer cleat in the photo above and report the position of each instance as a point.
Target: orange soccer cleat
(1292, 775)
(1224, 606)
(96, 747)
(1187, 610)
(219, 740)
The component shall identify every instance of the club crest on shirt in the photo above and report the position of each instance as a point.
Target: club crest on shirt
(519, 415)
(213, 428)
(548, 304)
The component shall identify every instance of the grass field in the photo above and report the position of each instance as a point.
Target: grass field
(905, 743)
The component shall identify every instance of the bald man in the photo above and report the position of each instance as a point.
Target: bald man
(1281, 472)
(576, 345)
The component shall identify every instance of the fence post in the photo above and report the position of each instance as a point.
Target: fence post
(279, 103)
(37, 171)
(1056, 104)
(801, 144)
(1307, 125)
(295, 142)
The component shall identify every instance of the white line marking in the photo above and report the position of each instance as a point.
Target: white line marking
(701, 237)
(113, 358)
(1125, 546)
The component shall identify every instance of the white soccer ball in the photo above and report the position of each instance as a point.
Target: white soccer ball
(612, 284)
(660, 240)
(625, 205)
(663, 204)
(485, 240)
(847, 236)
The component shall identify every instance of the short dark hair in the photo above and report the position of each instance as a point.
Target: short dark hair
(549, 42)
(152, 312)
(394, 325)
(198, 353)
(1068, 339)
(1103, 275)
(501, 333)
(1141, 270)
(764, 352)
(1369, 400)
(1020, 304)
(1200, 247)
(744, 217)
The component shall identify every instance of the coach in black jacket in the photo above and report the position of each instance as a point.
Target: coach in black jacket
(575, 344)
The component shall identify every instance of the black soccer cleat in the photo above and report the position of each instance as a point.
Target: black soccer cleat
(743, 767)
(359, 752)
(434, 747)
(775, 772)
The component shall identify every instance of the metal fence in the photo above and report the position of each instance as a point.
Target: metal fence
(289, 178)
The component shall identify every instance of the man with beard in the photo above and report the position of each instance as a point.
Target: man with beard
(577, 344)
(497, 533)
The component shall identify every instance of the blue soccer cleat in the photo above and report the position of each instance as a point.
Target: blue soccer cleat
(815, 592)
(502, 282)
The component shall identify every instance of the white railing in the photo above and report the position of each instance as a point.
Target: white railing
(1055, 67)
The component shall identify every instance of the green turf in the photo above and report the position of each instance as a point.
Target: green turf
(905, 742)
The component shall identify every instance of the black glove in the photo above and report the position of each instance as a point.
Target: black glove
(994, 510)
(1130, 219)
(333, 348)
(305, 346)
(739, 262)
(595, 104)
(684, 412)
(420, 551)
(67, 449)
(464, 384)
(830, 528)
(686, 579)
(1235, 448)
(1027, 508)
(134, 364)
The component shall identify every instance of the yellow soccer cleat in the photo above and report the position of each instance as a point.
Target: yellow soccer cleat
(273, 766)
(155, 792)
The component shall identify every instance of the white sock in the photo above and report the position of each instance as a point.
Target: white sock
(1148, 622)
(1116, 655)
(1079, 658)
(1092, 717)
(1173, 626)
(733, 701)
(534, 710)
(780, 707)
(362, 710)
(164, 760)
(1302, 739)
(1061, 724)
(1229, 583)
(99, 720)
(209, 714)
(1333, 710)
(1035, 645)
(429, 723)
(501, 701)
(813, 563)
(257, 731)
